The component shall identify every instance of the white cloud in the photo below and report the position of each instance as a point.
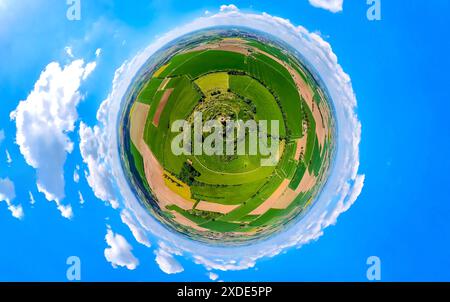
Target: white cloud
(207, 12)
(138, 232)
(76, 175)
(93, 148)
(32, 200)
(229, 8)
(43, 122)
(69, 51)
(8, 157)
(98, 52)
(339, 192)
(119, 251)
(66, 210)
(8, 194)
(96, 148)
(90, 67)
(165, 260)
(333, 6)
(80, 197)
(213, 276)
(16, 211)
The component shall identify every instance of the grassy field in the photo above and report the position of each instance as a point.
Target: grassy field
(213, 81)
(138, 163)
(276, 52)
(148, 93)
(195, 64)
(298, 175)
(266, 106)
(287, 163)
(276, 77)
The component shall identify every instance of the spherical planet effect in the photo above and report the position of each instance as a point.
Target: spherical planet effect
(209, 181)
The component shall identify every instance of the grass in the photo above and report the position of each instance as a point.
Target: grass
(311, 138)
(160, 70)
(213, 81)
(276, 77)
(299, 172)
(197, 63)
(147, 94)
(220, 226)
(198, 219)
(276, 52)
(138, 163)
(183, 98)
(266, 106)
(268, 217)
(246, 208)
(287, 163)
(226, 194)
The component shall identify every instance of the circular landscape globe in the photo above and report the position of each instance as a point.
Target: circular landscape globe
(227, 135)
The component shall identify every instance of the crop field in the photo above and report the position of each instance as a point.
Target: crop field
(233, 79)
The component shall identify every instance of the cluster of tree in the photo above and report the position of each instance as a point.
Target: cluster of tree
(205, 214)
(188, 174)
(236, 72)
(172, 180)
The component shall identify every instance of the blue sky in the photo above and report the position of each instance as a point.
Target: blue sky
(398, 67)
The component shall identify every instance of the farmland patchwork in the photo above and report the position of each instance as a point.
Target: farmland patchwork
(227, 136)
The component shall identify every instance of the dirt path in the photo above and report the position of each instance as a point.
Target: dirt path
(161, 105)
(307, 183)
(138, 118)
(227, 45)
(301, 146)
(186, 222)
(163, 84)
(266, 205)
(215, 207)
(286, 199)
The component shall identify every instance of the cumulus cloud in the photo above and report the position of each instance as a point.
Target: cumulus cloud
(8, 194)
(338, 194)
(138, 232)
(43, 122)
(229, 8)
(66, 210)
(333, 6)
(118, 252)
(8, 157)
(97, 148)
(88, 69)
(166, 261)
(93, 148)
